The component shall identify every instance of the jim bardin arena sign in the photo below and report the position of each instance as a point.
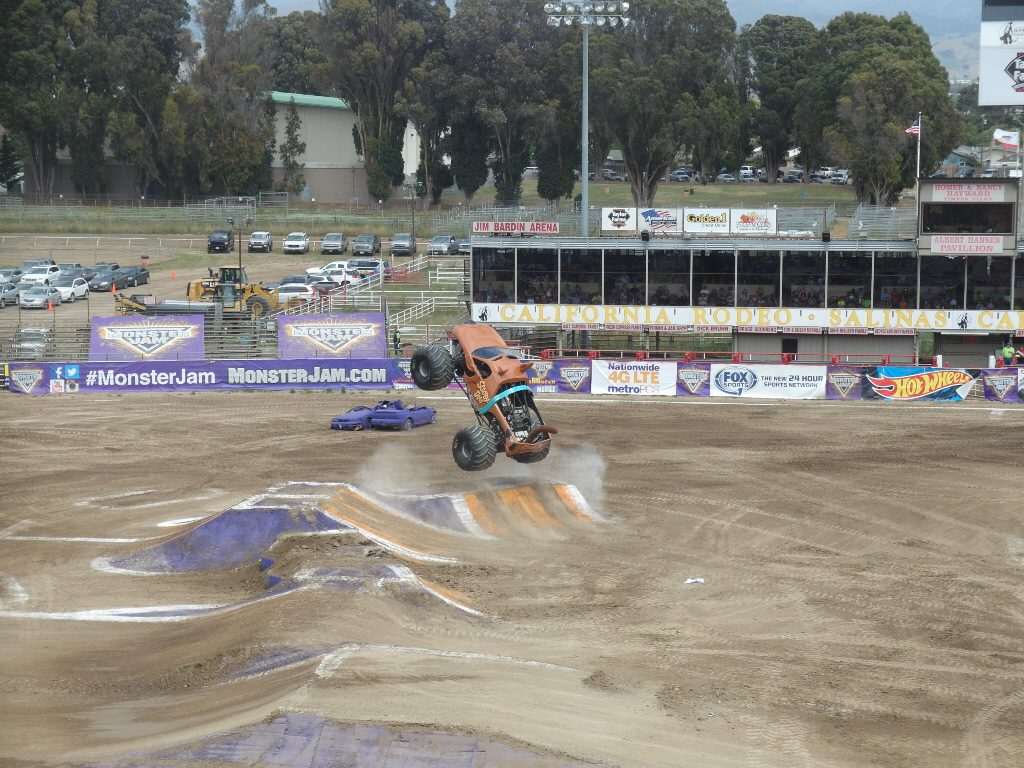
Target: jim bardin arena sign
(748, 319)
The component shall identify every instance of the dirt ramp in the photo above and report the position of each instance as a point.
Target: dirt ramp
(537, 508)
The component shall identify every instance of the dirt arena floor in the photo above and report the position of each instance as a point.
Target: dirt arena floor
(735, 584)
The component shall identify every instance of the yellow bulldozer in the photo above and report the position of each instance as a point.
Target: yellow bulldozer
(229, 286)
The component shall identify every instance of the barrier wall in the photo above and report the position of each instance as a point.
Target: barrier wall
(612, 377)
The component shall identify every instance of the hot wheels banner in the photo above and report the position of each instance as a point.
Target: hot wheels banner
(185, 376)
(171, 337)
(906, 383)
(354, 335)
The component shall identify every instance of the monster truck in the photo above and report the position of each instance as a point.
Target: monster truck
(494, 379)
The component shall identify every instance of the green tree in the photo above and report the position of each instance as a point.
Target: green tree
(489, 40)
(291, 149)
(298, 59)
(677, 53)
(10, 162)
(426, 105)
(779, 56)
(873, 112)
(371, 48)
(468, 145)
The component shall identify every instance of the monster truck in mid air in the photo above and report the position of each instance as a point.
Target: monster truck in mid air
(494, 379)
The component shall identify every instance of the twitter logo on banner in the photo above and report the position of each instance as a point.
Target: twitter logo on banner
(64, 372)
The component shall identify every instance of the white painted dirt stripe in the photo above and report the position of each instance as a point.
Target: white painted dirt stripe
(581, 502)
(89, 501)
(333, 661)
(95, 501)
(761, 403)
(16, 527)
(11, 585)
(84, 539)
(180, 521)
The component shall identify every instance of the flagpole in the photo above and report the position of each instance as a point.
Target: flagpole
(917, 178)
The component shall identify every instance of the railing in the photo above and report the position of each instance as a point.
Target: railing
(871, 222)
(703, 356)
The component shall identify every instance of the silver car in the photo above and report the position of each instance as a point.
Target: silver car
(40, 297)
(8, 294)
(443, 245)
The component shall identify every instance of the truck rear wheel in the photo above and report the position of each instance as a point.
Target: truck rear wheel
(474, 448)
(432, 367)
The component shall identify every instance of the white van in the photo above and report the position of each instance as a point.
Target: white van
(747, 171)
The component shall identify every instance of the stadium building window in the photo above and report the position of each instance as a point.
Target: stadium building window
(849, 280)
(988, 279)
(538, 276)
(625, 277)
(580, 276)
(972, 218)
(942, 282)
(669, 275)
(895, 281)
(803, 279)
(714, 274)
(757, 283)
(494, 272)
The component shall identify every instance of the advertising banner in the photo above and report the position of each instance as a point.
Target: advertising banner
(706, 221)
(562, 377)
(1001, 384)
(661, 221)
(693, 379)
(618, 220)
(171, 337)
(640, 377)
(188, 376)
(843, 383)
(354, 335)
(1001, 80)
(515, 227)
(754, 221)
(792, 382)
(913, 383)
(965, 243)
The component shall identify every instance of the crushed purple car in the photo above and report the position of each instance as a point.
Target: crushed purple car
(387, 414)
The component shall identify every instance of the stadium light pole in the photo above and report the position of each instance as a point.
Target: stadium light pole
(586, 15)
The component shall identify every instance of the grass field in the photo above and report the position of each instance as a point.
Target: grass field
(397, 215)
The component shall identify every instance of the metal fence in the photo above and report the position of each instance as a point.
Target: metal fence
(873, 222)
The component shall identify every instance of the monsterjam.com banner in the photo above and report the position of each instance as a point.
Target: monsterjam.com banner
(172, 337)
(562, 377)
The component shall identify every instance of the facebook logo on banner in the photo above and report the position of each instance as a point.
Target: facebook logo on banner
(64, 372)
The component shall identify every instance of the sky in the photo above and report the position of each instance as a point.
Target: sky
(952, 24)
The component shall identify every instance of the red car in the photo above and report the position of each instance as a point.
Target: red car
(494, 379)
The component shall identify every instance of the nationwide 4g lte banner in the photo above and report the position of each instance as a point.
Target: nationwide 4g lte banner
(171, 337)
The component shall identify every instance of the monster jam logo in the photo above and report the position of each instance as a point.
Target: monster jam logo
(918, 385)
(574, 376)
(843, 383)
(331, 337)
(540, 370)
(149, 340)
(693, 379)
(735, 380)
(1000, 384)
(26, 379)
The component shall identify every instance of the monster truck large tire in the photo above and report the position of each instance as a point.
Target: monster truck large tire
(432, 367)
(474, 448)
(533, 458)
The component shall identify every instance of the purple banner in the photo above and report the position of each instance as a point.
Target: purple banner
(693, 380)
(843, 382)
(1001, 384)
(168, 376)
(171, 337)
(361, 335)
(565, 377)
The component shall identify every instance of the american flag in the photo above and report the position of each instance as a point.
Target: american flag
(915, 129)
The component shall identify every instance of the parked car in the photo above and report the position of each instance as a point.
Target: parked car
(86, 272)
(72, 288)
(296, 242)
(343, 276)
(609, 175)
(370, 267)
(260, 241)
(680, 174)
(403, 244)
(334, 242)
(300, 291)
(106, 266)
(39, 297)
(26, 265)
(725, 178)
(748, 173)
(366, 245)
(299, 279)
(69, 266)
(841, 176)
(8, 294)
(465, 245)
(328, 267)
(324, 287)
(11, 275)
(443, 245)
(939, 175)
(109, 280)
(221, 241)
(965, 173)
(44, 274)
(32, 344)
(136, 275)
(793, 177)
(988, 173)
